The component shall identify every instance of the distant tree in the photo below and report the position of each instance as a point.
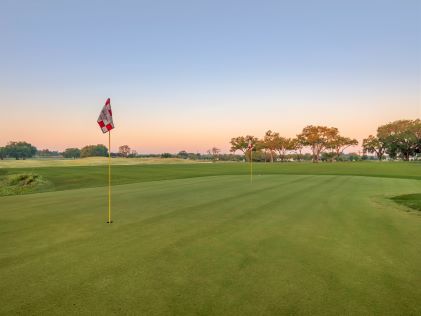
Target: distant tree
(238, 143)
(297, 146)
(71, 153)
(2, 153)
(338, 144)
(372, 144)
(401, 138)
(258, 155)
(20, 150)
(194, 156)
(261, 150)
(166, 155)
(94, 151)
(241, 143)
(327, 156)
(133, 153)
(317, 138)
(283, 145)
(183, 154)
(270, 143)
(48, 153)
(354, 157)
(124, 151)
(214, 152)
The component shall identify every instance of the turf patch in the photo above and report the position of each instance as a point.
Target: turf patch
(22, 183)
(412, 201)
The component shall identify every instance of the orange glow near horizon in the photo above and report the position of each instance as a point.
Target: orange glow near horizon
(199, 129)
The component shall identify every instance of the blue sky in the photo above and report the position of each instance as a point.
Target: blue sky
(193, 74)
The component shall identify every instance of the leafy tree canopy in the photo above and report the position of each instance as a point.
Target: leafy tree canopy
(94, 151)
(20, 150)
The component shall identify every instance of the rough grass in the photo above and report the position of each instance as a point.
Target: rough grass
(22, 183)
(412, 201)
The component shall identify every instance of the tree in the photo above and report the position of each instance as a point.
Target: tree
(401, 138)
(71, 153)
(317, 138)
(47, 153)
(183, 154)
(20, 150)
(124, 151)
(194, 156)
(94, 151)
(241, 143)
(372, 144)
(416, 130)
(354, 157)
(2, 153)
(260, 149)
(297, 146)
(339, 143)
(214, 153)
(238, 143)
(283, 145)
(270, 143)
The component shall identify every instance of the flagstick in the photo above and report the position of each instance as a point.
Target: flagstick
(251, 165)
(109, 177)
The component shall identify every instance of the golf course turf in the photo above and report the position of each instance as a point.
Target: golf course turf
(200, 239)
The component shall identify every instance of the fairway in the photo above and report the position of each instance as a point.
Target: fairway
(215, 245)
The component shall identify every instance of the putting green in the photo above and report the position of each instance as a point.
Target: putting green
(216, 245)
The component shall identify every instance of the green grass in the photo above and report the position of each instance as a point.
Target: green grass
(410, 200)
(301, 240)
(22, 183)
(73, 177)
(90, 161)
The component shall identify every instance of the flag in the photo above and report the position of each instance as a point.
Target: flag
(105, 119)
(250, 145)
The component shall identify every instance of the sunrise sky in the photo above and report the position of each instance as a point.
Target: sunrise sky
(192, 74)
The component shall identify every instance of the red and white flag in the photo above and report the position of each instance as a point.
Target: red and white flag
(250, 145)
(105, 119)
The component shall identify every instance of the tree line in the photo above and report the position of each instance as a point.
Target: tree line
(24, 150)
(399, 139)
(318, 139)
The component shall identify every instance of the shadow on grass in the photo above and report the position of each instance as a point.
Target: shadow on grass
(412, 201)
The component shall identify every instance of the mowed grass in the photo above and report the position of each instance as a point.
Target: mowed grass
(210, 243)
(90, 161)
(75, 177)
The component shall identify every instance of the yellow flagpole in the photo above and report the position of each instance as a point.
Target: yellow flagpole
(109, 177)
(251, 165)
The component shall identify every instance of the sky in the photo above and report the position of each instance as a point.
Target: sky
(190, 75)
